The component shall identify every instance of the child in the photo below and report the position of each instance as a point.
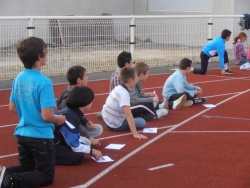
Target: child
(239, 53)
(69, 145)
(77, 76)
(216, 47)
(116, 112)
(124, 59)
(32, 98)
(144, 105)
(177, 88)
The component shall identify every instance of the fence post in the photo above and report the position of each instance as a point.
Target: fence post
(132, 36)
(210, 26)
(30, 27)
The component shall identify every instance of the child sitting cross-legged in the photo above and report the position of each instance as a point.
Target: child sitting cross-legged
(116, 112)
(145, 105)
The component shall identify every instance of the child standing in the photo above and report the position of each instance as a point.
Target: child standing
(32, 93)
(216, 47)
(116, 112)
(144, 105)
(239, 53)
(77, 76)
(70, 148)
(178, 91)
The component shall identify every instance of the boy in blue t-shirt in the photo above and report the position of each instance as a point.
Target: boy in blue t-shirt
(216, 47)
(32, 98)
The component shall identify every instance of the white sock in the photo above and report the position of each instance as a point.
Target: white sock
(225, 66)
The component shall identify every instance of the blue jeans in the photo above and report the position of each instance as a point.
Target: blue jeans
(139, 124)
(37, 162)
(243, 61)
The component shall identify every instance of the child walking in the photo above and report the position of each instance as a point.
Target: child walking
(116, 112)
(32, 98)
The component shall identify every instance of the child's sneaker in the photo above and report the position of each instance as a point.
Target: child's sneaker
(161, 112)
(5, 179)
(188, 103)
(179, 102)
(229, 71)
(199, 100)
(164, 104)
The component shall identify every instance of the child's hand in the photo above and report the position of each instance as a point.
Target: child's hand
(156, 98)
(140, 136)
(94, 142)
(96, 153)
(90, 125)
(60, 119)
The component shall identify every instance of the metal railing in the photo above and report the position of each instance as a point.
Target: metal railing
(95, 41)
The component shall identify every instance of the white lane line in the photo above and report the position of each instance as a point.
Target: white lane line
(162, 166)
(225, 117)
(10, 155)
(175, 132)
(114, 165)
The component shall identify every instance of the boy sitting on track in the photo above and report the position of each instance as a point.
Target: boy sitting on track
(77, 76)
(177, 92)
(124, 59)
(116, 112)
(32, 98)
(70, 148)
(145, 105)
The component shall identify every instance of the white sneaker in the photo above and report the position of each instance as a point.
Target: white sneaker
(179, 102)
(245, 66)
(161, 112)
(188, 103)
(164, 104)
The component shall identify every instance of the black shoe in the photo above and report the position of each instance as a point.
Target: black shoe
(228, 71)
(199, 100)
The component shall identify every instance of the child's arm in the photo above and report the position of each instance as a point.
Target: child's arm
(12, 107)
(131, 123)
(48, 116)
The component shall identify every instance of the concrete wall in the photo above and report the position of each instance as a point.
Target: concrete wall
(65, 7)
(114, 7)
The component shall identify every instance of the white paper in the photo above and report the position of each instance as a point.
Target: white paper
(103, 159)
(150, 130)
(209, 105)
(115, 146)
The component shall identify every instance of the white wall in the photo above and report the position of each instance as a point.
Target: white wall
(65, 7)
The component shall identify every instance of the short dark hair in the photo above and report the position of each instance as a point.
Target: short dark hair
(126, 74)
(123, 58)
(30, 49)
(74, 73)
(184, 63)
(225, 33)
(80, 96)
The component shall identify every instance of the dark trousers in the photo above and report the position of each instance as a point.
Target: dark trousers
(144, 110)
(65, 155)
(204, 62)
(37, 162)
(176, 96)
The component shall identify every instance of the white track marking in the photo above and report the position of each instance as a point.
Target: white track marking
(162, 166)
(10, 155)
(114, 165)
